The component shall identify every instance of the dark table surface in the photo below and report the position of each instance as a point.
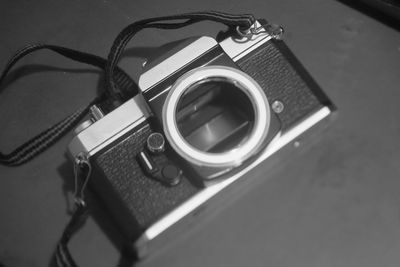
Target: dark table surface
(338, 204)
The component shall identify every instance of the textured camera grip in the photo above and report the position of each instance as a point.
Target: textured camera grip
(283, 78)
(135, 200)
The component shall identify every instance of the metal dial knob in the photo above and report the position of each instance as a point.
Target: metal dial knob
(156, 143)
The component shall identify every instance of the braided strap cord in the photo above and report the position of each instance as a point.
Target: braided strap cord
(42, 141)
(62, 255)
(125, 88)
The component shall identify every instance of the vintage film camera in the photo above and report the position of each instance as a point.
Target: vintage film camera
(209, 113)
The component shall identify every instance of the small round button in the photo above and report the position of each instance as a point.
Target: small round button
(171, 174)
(156, 143)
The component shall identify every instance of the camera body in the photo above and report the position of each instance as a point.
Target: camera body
(222, 108)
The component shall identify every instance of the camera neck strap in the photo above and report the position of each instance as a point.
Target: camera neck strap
(118, 85)
(45, 139)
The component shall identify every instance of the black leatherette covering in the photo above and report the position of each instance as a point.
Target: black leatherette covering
(273, 68)
(134, 199)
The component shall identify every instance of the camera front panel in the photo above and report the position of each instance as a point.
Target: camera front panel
(161, 211)
(297, 101)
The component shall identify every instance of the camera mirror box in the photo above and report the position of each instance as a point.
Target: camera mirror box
(209, 113)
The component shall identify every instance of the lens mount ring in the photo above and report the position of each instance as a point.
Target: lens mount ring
(235, 156)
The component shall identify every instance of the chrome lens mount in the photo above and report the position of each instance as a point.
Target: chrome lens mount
(231, 158)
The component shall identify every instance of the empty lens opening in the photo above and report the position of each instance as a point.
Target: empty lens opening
(215, 115)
